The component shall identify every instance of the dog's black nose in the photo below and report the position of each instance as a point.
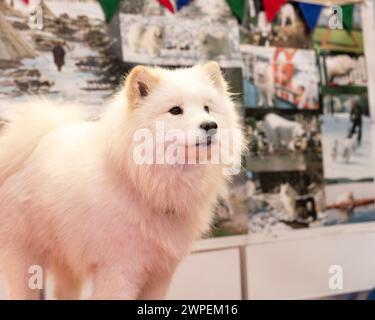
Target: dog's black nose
(209, 126)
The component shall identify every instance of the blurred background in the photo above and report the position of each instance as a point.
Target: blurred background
(298, 222)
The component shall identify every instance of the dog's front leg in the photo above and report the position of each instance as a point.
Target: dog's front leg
(260, 101)
(118, 282)
(156, 288)
(269, 100)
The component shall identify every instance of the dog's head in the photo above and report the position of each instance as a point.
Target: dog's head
(262, 72)
(156, 31)
(187, 111)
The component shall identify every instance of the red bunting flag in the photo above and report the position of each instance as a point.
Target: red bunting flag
(168, 5)
(272, 7)
(25, 1)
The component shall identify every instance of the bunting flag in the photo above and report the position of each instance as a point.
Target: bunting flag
(311, 13)
(347, 13)
(272, 7)
(168, 5)
(181, 3)
(237, 7)
(25, 1)
(110, 8)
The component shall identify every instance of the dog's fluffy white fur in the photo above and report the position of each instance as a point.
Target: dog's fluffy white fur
(73, 200)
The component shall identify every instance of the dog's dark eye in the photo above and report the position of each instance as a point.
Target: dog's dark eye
(176, 110)
(207, 109)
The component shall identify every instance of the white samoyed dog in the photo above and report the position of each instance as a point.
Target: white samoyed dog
(74, 200)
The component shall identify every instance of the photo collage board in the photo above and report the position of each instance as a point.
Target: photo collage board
(302, 94)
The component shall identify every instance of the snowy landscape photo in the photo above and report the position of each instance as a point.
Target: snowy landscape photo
(348, 158)
(231, 215)
(285, 201)
(81, 71)
(284, 188)
(277, 204)
(163, 40)
(283, 142)
(346, 137)
(214, 9)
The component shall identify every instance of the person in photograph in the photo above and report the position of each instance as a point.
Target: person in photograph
(356, 120)
(58, 56)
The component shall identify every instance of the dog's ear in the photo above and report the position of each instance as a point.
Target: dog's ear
(212, 70)
(139, 83)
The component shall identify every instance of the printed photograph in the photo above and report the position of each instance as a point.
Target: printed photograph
(346, 137)
(343, 70)
(283, 142)
(274, 202)
(214, 9)
(68, 60)
(348, 158)
(282, 201)
(279, 202)
(344, 40)
(230, 217)
(163, 40)
(281, 78)
(288, 29)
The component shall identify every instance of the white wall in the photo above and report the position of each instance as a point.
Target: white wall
(208, 275)
(299, 269)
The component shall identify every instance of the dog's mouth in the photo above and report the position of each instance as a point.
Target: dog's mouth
(207, 142)
(202, 148)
